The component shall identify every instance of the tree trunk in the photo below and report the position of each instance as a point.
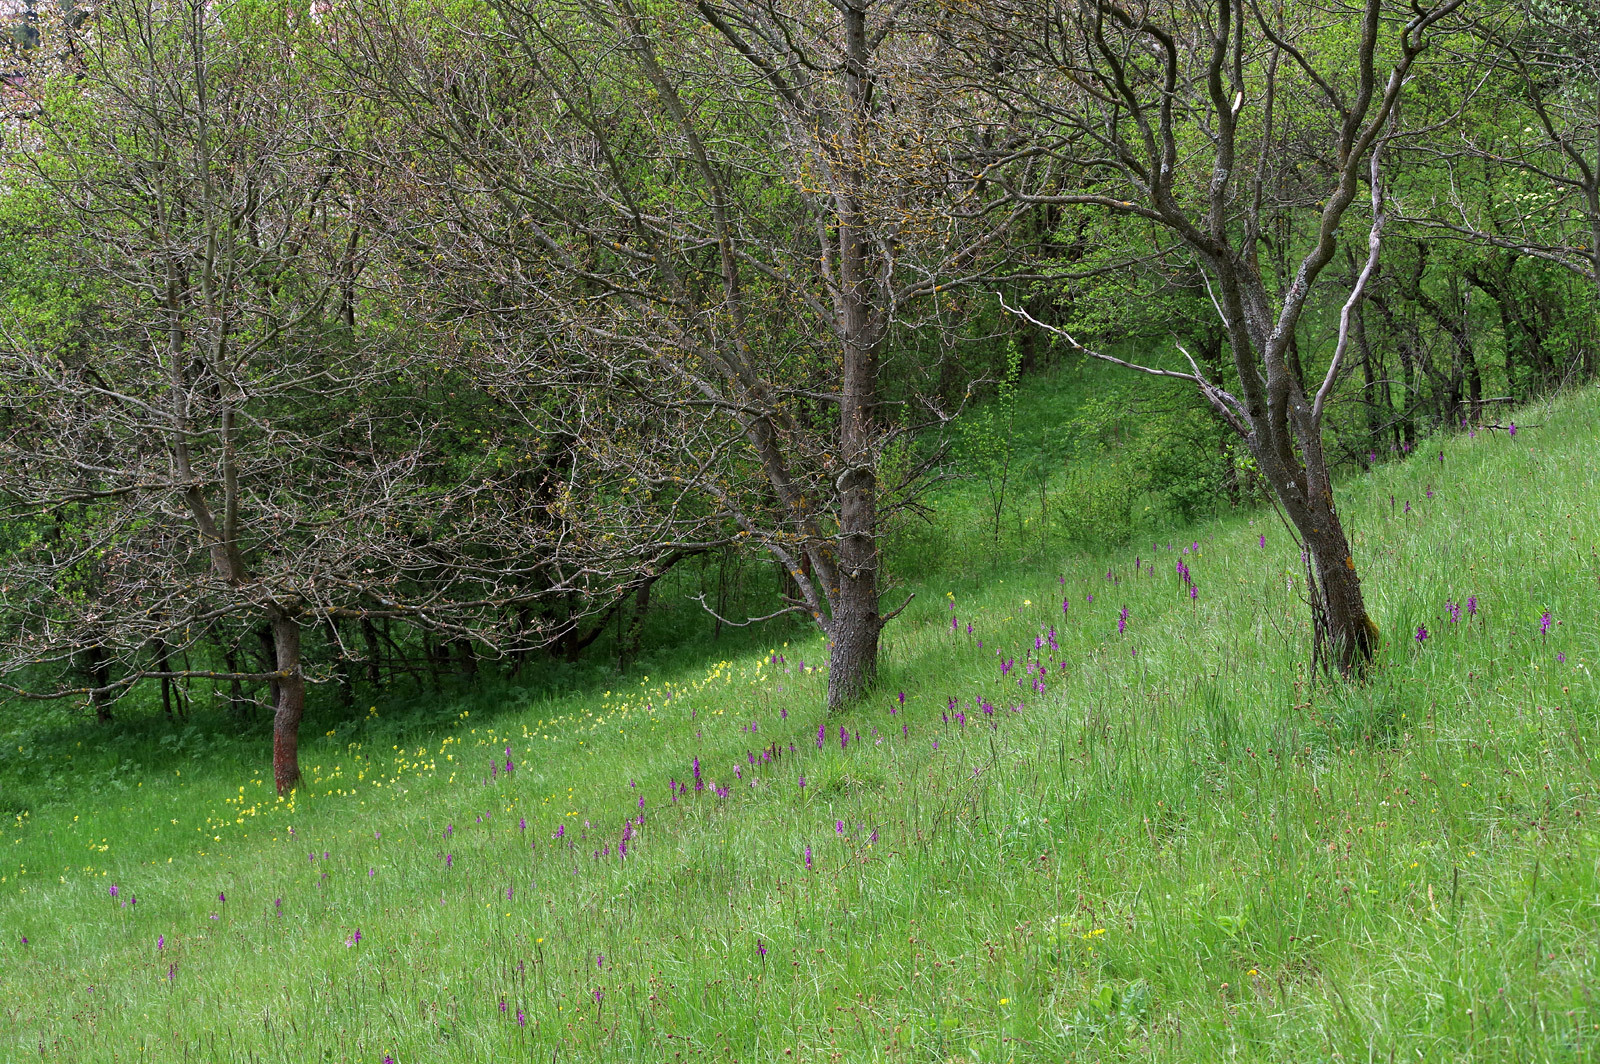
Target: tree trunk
(236, 702)
(855, 623)
(369, 633)
(1286, 439)
(1465, 366)
(269, 657)
(852, 653)
(1370, 373)
(341, 664)
(466, 658)
(97, 665)
(1342, 628)
(631, 646)
(291, 704)
(1349, 633)
(172, 692)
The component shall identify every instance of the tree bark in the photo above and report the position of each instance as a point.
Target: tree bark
(1351, 636)
(291, 702)
(856, 622)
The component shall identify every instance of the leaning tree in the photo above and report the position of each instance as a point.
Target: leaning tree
(1242, 136)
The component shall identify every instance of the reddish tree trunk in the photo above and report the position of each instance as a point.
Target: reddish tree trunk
(291, 703)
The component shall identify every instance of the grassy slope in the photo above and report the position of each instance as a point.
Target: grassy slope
(1174, 854)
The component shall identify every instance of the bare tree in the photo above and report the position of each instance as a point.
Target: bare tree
(718, 222)
(1244, 134)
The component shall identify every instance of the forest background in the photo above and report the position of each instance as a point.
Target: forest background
(357, 344)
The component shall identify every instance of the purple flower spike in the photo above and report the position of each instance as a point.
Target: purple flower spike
(1561, 659)
(808, 858)
(1513, 430)
(1422, 634)
(1262, 541)
(761, 948)
(838, 827)
(449, 860)
(161, 942)
(1472, 605)
(113, 890)
(1544, 623)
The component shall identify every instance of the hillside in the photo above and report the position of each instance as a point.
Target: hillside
(1049, 836)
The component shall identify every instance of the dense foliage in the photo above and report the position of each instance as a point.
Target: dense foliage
(375, 344)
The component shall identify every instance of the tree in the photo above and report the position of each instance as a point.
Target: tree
(1536, 137)
(1243, 135)
(221, 447)
(721, 222)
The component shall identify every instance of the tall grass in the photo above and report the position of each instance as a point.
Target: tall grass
(1183, 847)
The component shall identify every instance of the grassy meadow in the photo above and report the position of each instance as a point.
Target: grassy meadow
(1043, 839)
